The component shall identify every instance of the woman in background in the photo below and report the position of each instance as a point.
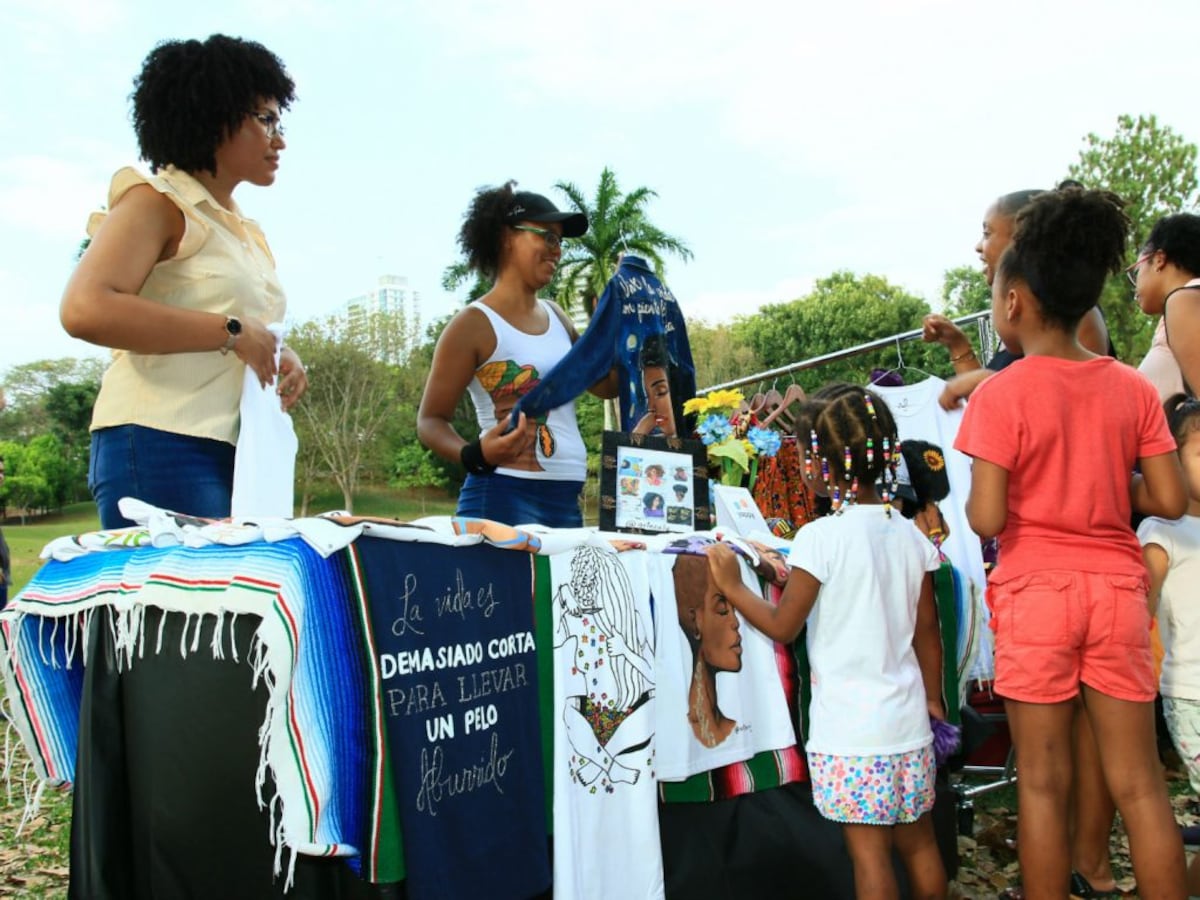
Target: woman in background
(496, 350)
(1166, 282)
(998, 222)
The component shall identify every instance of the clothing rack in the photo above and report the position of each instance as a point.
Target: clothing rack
(983, 321)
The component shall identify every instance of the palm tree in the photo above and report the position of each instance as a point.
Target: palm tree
(457, 274)
(616, 223)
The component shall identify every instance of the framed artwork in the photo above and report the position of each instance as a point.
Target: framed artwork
(651, 484)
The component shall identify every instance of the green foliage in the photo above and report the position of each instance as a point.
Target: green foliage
(51, 397)
(1154, 170)
(450, 474)
(965, 291)
(35, 475)
(351, 396)
(842, 311)
(457, 274)
(416, 466)
(26, 388)
(617, 222)
(69, 406)
(718, 353)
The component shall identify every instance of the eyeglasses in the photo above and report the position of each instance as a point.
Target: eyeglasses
(552, 238)
(271, 123)
(1132, 272)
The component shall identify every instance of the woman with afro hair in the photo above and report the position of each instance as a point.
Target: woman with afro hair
(180, 284)
(497, 349)
(182, 287)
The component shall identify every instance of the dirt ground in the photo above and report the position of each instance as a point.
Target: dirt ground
(34, 863)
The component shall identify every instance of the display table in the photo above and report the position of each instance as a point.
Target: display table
(422, 703)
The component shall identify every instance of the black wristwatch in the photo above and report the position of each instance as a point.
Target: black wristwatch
(233, 328)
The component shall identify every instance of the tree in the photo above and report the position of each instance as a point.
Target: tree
(842, 311)
(416, 467)
(403, 430)
(720, 355)
(965, 291)
(35, 477)
(1153, 170)
(69, 407)
(351, 396)
(27, 386)
(617, 222)
(457, 274)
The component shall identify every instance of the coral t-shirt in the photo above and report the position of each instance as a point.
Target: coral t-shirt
(1069, 433)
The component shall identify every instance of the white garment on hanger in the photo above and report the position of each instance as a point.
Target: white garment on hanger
(919, 416)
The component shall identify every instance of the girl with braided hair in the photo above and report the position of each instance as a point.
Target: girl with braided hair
(1068, 595)
(861, 581)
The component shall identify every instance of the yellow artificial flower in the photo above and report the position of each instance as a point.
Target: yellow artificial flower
(695, 405)
(730, 400)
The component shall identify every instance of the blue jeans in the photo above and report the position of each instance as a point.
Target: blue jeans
(521, 501)
(171, 471)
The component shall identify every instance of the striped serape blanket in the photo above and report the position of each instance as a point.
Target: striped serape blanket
(307, 649)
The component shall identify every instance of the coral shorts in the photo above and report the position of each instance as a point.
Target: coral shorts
(1057, 629)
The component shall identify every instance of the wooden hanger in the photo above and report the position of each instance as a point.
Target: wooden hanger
(771, 402)
(792, 395)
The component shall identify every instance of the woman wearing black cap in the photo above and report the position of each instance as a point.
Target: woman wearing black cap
(497, 349)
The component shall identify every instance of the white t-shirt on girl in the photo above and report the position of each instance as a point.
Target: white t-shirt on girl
(1178, 612)
(868, 697)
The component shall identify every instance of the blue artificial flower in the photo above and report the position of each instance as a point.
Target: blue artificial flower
(765, 440)
(714, 429)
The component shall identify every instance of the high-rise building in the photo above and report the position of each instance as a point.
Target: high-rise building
(389, 317)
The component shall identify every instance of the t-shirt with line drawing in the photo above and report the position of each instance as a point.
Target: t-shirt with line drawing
(604, 769)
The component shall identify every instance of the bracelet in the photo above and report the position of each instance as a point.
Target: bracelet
(472, 459)
(962, 356)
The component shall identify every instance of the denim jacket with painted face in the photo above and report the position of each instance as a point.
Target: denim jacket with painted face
(637, 328)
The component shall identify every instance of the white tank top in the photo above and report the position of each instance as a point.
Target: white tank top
(556, 451)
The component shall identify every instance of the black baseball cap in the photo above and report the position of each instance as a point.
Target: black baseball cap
(927, 475)
(530, 207)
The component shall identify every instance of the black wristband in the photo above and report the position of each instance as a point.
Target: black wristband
(472, 459)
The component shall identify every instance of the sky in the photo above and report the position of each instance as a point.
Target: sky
(784, 141)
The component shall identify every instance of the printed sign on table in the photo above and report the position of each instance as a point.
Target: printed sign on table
(453, 628)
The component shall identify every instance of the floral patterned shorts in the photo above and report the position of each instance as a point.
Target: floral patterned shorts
(1183, 721)
(873, 790)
